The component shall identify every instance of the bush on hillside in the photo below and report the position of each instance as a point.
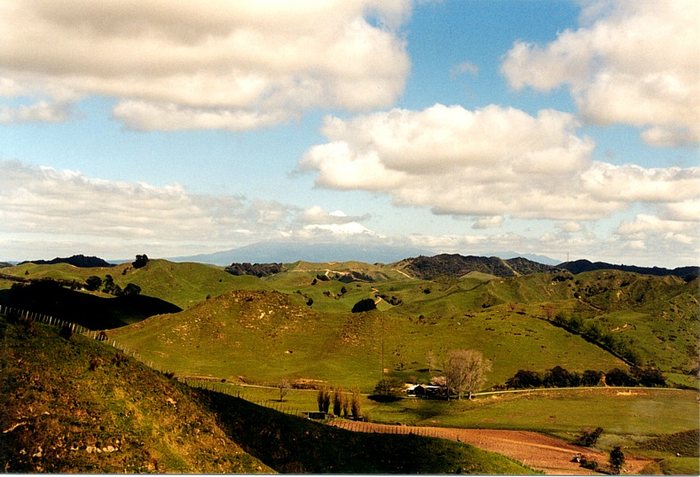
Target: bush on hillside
(93, 283)
(588, 438)
(524, 379)
(141, 261)
(558, 377)
(366, 304)
(388, 389)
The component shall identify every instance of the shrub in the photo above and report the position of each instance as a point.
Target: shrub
(617, 459)
(387, 389)
(588, 438)
(649, 377)
(558, 377)
(366, 304)
(591, 377)
(525, 379)
(119, 359)
(141, 261)
(95, 363)
(93, 283)
(619, 377)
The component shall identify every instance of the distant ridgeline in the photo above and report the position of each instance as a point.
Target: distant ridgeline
(257, 269)
(579, 266)
(458, 265)
(76, 260)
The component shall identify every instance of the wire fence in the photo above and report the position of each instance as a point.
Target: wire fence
(100, 335)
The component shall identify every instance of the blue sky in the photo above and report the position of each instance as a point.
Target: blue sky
(548, 127)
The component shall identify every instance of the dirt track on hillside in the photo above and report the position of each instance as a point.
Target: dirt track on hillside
(538, 451)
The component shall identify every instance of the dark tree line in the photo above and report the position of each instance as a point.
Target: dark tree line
(558, 377)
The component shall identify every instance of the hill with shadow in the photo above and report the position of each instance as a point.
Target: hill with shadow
(91, 311)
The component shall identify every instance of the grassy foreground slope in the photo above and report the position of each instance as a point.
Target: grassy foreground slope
(77, 406)
(61, 416)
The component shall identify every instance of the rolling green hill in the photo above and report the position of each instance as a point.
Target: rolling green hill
(265, 336)
(77, 406)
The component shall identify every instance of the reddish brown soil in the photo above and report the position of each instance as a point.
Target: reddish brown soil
(538, 451)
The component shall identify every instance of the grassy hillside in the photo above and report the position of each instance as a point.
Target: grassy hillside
(183, 284)
(77, 406)
(61, 416)
(266, 336)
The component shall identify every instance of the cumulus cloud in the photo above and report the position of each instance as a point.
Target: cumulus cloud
(233, 65)
(486, 163)
(76, 209)
(631, 62)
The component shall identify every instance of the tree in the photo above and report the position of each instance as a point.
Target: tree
(525, 379)
(617, 459)
(93, 283)
(464, 371)
(591, 377)
(131, 290)
(558, 377)
(355, 404)
(365, 304)
(323, 399)
(283, 387)
(388, 389)
(140, 262)
(338, 399)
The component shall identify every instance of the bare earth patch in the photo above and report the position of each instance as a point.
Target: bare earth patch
(538, 451)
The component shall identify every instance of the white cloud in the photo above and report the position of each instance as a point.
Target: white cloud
(192, 65)
(465, 67)
(489, 162)
(632, 62)
(124, 217)
(317, 215)
(488, 222)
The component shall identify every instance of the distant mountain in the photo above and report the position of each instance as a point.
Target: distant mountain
(288, 252)
(457, 265)
(76, 260)
(530, 256)
(579, 266)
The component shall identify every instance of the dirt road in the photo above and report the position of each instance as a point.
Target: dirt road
(538, 451)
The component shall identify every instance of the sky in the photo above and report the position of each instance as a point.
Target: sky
(563, 128)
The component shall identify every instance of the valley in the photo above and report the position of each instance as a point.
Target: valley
(262, 326)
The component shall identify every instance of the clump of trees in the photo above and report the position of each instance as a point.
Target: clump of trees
(388, 389)
(366, 304)
(140, 262)
(256, 269)
(558, 377)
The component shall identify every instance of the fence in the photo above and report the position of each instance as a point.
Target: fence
(208, 384)
(370, 427)
(235, 391)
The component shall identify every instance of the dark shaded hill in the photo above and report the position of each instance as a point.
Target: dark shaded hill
(456, 265)
(580, 266)
(79, 406)
(91, 311)
(80, 261)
